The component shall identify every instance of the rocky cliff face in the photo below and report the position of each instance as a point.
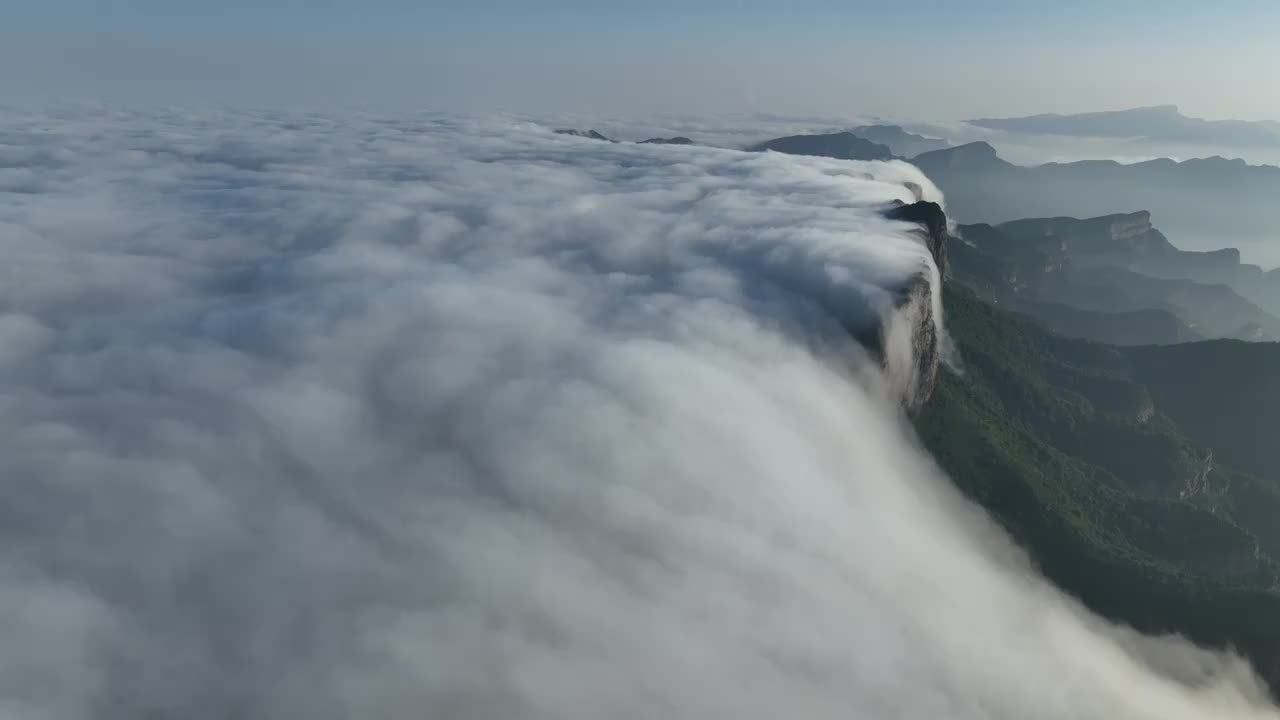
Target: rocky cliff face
(1128, 235)
(974, 156)
(1132, 230)
(909, 339)
(933, 221)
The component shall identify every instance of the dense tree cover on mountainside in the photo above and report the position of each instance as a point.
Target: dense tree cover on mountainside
(1114, 475)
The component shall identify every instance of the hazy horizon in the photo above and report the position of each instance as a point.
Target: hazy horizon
(907, 60)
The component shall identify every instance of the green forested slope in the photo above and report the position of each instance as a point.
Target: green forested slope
(1068, 445)
(1225, 394)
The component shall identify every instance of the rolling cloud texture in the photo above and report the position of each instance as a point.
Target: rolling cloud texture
(305, 417)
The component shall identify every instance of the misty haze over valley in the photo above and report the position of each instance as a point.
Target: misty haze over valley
(560, 360)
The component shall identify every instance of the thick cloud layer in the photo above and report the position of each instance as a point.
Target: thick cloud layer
(445, 418)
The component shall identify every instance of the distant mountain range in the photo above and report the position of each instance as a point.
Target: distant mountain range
(594, 135)
(841, 145)
(1141, 479)
(1085, 278)
(680, 140)
(866, 142)
(588, 134)
(1111, 277)
(1209, 204)
(1206, 203)
(1160, 123)
(900, 142)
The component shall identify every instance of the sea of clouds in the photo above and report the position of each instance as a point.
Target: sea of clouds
(437, 417)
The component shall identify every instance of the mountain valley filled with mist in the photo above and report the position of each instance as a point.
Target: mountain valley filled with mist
(571, 361)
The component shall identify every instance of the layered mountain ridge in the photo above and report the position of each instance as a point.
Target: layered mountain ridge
(909, 340)
(1157, 122)
(1099, 266)
(840, 145)
(1131, 460)
(1206, 203)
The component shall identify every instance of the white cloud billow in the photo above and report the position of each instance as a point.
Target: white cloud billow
(436, 417)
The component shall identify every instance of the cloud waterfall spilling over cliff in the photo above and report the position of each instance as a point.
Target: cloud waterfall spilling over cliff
(435, 417)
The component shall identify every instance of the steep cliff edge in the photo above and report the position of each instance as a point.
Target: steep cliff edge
(908, 339)
(1125, 235)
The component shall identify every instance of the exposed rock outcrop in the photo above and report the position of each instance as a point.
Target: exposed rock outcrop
(1122, 237)
(961, 158)
(679, 140)
(589, 134)
(908, 340)
(931, 217)
(841, 146)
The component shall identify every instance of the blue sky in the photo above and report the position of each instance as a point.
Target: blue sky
(802, 56)
(400, 16)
